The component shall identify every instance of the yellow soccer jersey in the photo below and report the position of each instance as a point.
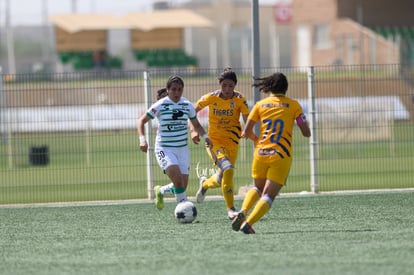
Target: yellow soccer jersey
(276, 115)
(224, 117)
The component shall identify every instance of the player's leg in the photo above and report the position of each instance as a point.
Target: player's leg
(160, 192)
(227, 184)
(213, 181)
(182, 157)
(252, 196)
(277, 174)
(259, 171)
(167, 189)
(178, 179)
(259, 174)
(265, 202)
(171, 161)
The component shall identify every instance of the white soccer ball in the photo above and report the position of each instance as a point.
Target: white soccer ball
(185, 212)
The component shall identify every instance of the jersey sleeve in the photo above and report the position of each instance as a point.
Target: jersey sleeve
(192, 114)
(203, 102)
(152, 112)
(254, 114)
(298, 110)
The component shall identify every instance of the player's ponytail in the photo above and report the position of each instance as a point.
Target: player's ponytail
(276, 83)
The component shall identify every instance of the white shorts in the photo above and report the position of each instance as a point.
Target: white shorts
(174, 156)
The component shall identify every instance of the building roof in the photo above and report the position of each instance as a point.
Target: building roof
(145, 21)
(76, 22)
(177, 18)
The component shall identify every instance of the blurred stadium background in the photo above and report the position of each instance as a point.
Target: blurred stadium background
(72, 93)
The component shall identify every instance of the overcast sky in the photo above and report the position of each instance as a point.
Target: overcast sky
(33, 12)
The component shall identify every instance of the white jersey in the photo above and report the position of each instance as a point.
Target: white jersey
(173, 121)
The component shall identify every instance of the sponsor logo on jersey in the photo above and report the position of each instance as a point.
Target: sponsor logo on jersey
(275, 105)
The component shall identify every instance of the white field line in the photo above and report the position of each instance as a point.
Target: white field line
(216, 197)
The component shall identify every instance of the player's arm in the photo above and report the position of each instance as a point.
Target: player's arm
(248, 131)
(303, 125)
(245, 111)
(245, 118)
(201, 132)
(194, 134)
(143, 145)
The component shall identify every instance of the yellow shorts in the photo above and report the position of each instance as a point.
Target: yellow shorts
(277, 170)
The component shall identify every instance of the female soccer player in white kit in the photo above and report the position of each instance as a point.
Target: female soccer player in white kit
(171, 143)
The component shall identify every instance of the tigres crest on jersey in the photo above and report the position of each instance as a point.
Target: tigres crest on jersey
(224, 117)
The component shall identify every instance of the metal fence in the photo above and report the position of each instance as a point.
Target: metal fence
(72, 137)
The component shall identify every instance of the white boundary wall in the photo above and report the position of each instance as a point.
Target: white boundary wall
(124, 116)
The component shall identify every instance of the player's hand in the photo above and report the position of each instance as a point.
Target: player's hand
(209, 143)
(143, 146)
(195, 137)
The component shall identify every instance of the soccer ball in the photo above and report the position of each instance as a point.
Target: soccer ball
(185, 212)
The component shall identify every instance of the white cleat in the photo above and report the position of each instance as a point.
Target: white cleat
(201, 192)
(232, 213)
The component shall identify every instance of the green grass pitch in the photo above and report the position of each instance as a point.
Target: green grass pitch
(365, 233)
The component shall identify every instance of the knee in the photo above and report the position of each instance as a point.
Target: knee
(225, 164)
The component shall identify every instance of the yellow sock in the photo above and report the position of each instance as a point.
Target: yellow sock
(252, 196)
(211, 182)
(227, 187)
(261, 208)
